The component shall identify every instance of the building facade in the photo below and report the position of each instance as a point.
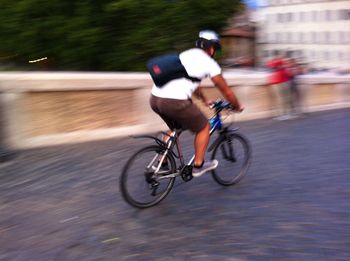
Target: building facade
(316, 31)
(238, 40)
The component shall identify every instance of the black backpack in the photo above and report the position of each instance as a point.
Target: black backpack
(167, 67)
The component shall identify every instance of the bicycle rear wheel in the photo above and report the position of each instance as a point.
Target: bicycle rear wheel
(233, 153)
(138, 185)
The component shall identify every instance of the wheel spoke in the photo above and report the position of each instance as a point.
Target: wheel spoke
(143, 189)
(233, 154)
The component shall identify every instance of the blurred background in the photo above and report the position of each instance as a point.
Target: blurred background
(74, 66)
(105, 35)
(121, 35)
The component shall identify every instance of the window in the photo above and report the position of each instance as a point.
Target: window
(320, 37)
(280, 18)
(308, 17)
(326, 55)
(268, 38)
(266, 54)
(341, 37)
(321, 16)
(300, 53)
(313, 54)
(347, 38)
(267, 19)
(278, 37)
(340, 55)
(283, 37)
(327, 37)
(341, 14)
(334, 37)
(333, 15)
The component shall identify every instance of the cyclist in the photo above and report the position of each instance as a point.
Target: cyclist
(172, 101)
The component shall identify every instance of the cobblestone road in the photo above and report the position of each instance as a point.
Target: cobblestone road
(63, 203)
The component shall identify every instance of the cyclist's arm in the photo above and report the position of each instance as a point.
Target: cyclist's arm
(220, 82)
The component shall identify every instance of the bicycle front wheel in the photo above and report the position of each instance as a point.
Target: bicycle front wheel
(139, 186)
(233, 153)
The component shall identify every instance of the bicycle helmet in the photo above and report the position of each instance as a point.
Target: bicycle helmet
(207, 39)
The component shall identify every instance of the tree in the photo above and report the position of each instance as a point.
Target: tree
(106, 34)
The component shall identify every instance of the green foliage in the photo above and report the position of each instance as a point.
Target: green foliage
(112, 35)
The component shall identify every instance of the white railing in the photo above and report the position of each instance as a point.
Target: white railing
(25, 97)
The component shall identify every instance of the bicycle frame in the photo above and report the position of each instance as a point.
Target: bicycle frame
(168, 145)
(162, 163)
(215, 124)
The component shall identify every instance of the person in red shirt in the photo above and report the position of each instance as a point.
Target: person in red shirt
(279, 80)
(294, 70)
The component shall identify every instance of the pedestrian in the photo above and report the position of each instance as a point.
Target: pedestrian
(294, 70)
(278, 80)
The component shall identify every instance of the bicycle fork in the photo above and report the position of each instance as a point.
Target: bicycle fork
(228, 151)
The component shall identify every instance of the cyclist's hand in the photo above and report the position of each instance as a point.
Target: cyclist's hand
(209, 103)
(239, 108)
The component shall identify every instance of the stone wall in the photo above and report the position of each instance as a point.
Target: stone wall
(41, 109)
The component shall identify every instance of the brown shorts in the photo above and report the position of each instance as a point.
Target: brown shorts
(179, 114)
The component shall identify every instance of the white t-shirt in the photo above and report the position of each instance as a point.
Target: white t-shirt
(198, 64)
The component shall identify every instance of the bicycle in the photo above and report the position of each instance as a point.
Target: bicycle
(155, 166)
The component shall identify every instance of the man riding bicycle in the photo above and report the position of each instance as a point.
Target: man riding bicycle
(171, 100)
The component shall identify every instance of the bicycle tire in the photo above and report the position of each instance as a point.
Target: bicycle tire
(230, 169)
(131, 174)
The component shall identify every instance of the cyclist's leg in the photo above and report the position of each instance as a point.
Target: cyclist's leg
(160, 107)
(190, 117)
(197, 122)
(164, 166)
(200, 144)
(185, 114)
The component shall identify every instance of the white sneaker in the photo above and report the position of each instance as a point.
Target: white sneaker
(207, 166)
(283, 117)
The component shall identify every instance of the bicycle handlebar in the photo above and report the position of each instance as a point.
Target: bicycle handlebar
(220, 105)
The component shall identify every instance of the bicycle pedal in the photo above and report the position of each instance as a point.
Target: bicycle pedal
(154, 184)
(186, 173)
